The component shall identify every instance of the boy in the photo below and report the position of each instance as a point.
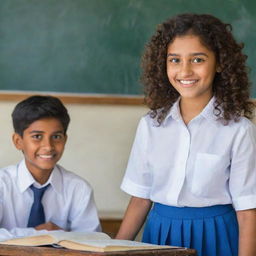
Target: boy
(38, 194)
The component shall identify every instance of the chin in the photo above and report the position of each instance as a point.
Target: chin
(188, 96)
(46, 168)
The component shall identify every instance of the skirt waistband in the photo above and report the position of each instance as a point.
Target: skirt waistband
(191, 212)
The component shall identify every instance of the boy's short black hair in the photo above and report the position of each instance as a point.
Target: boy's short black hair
(38, 107)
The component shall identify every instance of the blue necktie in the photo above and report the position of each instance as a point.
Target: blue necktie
(37, 216)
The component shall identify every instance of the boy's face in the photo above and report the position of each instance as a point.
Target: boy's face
(42, 144)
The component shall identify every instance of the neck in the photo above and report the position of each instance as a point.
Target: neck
(190, 108)
(42, 180)
(41, 176)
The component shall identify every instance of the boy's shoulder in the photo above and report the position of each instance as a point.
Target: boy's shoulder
(8, 176)
(71, 178)
(8, 171)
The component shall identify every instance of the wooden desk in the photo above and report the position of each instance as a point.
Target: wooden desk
(110, 225)
(7, 250)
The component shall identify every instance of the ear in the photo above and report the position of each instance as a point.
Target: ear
(17, 141)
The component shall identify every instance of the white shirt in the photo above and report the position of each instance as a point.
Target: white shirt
(68, 201)
(202, 164)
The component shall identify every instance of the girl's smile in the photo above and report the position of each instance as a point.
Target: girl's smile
(187, 83)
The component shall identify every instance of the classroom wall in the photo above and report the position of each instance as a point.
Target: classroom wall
(98, 146)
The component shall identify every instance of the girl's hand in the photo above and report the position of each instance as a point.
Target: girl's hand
(247, 232)
(134, 218)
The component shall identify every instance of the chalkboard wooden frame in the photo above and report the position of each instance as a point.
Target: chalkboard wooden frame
(94, 99)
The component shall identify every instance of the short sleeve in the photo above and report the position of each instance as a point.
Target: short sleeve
(242, 183)
(138, 179)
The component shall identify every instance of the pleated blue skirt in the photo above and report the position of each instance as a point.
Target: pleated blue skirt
(212, 231)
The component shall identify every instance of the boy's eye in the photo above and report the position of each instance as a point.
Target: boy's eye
(37, 136)
(197, 60)
(57, 136)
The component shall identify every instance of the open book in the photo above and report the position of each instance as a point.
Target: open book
(86, 241)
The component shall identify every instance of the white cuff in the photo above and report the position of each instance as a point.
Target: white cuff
(134, 189)
(244, 202)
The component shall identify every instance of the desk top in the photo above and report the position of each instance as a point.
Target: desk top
(7, 250)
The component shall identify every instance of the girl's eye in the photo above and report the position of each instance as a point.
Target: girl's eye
(197, 60)
(174, 60)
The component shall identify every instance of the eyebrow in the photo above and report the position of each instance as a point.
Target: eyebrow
(192, 54)
(35, 131)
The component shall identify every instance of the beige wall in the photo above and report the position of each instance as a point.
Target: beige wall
(99, 143)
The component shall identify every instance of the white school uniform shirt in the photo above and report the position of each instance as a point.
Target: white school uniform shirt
(202, 164)
(68, 201)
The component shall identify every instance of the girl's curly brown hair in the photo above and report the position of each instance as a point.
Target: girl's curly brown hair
(230, 86)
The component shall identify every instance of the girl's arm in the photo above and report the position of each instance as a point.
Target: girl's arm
(134, 218)
(247, 232)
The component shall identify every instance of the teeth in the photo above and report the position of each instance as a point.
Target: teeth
(46, 156)
(187, 81)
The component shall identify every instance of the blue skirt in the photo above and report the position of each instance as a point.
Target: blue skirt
(212, 231)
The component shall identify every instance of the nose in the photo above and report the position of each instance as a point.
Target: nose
(47, 144)
(186, 69)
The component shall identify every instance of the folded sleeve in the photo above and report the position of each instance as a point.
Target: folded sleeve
(137, 180)
(242, 183)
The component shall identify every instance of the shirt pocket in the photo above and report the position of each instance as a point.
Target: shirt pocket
(210, 175)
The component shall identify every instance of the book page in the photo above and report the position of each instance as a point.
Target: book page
(111, 242)
(79, 236)
(109, 245)
(53, 237)
(31, 240)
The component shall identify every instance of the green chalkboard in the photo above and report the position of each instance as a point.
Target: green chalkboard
(94, 46)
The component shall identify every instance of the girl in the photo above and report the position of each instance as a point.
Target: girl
(194, 153)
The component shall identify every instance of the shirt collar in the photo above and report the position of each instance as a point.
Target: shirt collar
(207, 112)
(174, 112)
(25, 178)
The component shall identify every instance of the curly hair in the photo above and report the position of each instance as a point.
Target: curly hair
(230, 86)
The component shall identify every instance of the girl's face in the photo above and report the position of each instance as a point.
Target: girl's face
(191, 68)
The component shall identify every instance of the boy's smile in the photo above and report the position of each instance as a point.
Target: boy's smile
(42, 144)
